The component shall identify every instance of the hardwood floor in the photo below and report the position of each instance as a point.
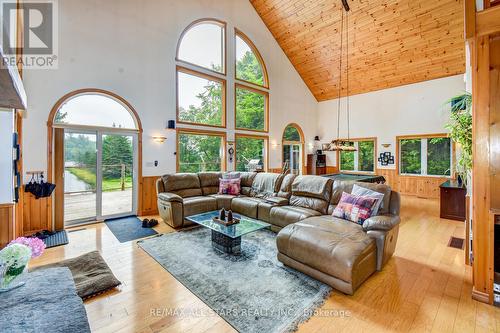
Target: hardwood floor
(424, 287)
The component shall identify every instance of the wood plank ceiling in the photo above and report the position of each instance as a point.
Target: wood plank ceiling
(391, 43)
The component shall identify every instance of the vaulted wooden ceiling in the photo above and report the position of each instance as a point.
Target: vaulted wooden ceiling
(391, 43)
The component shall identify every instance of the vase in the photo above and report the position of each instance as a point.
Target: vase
(12, 278)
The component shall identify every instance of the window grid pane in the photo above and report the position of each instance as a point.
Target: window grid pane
(366, 156)
(348, 159)
(248, 149)
(200, 100)
(248, 66)
(250, 110)
(199, 152)
(411, 156)
(439, 157)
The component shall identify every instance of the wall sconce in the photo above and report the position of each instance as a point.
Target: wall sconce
(275, 145)
(386, 145)
(159, 138)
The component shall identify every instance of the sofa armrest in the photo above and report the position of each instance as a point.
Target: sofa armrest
(170, 197)
(278, 201)
(381, 222)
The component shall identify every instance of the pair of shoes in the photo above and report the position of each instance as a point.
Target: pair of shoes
(146, 223)
(43, 234)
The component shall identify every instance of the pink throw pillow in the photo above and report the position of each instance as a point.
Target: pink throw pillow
(354, 208)
(230, 186)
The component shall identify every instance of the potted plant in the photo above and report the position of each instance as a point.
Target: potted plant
(460, 127)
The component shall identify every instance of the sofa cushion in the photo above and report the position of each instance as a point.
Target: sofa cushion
(198, 205)
(209, 182)
(266, 184)
(264, 208)
(327, 244)
(340, 186)
(223, 200)
(230, 186)
(284, 215)
(183, 184)
(246, 206)
(285, 190)
(311, 192)
(246, 182)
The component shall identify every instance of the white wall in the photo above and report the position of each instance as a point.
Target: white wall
(128, 47)
(418, 108)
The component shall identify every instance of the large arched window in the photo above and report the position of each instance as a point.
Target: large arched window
(96, 110)
(201, 99)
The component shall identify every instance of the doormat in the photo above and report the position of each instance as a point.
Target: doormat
(57, 239)
(456, 243)
(128, 228)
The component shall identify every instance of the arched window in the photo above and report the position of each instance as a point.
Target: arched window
(250, 66)
(97, 110)
(293, 149)
(251, 95)
(203, 44)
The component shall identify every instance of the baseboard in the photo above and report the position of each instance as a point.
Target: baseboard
(481, 296)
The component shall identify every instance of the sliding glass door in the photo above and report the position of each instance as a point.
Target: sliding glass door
(99, 175)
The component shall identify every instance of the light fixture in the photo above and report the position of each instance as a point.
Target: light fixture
(159, 138)
(343, 145)
(386, 145)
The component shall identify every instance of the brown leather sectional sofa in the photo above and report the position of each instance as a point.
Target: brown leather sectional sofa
(340, 253)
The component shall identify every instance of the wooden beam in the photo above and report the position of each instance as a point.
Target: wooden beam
(482, 242)
(488, 21)
(470, 18)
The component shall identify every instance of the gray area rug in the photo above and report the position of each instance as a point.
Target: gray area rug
(128, 228)
(253, 292)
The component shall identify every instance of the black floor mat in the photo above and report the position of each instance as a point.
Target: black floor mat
(57, 239)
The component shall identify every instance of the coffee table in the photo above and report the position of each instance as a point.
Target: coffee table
(227, 239)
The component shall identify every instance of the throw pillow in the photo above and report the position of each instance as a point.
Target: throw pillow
(366, 192)
(230, 186)
(354, 208)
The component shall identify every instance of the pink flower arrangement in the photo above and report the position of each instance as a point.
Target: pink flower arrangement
(36, 245)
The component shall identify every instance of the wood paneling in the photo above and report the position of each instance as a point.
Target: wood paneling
(392, 43)
(7, 232)
(421, 186)
(37, 214)
(149, 205)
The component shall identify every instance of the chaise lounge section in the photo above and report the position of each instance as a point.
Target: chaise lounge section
(335, 251)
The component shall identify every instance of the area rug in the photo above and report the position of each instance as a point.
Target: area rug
(253, 292)
(128, 228)
(90, 272)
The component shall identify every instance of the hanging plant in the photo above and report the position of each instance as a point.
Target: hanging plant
(460, 127)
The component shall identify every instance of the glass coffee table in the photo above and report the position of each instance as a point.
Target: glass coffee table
(227, 239)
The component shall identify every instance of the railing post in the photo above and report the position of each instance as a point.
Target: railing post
(123, 176)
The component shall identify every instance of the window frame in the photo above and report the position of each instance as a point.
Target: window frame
(252, 136)
(423, 170)
(220, 23)
(194, 131)
(248, 41)
(375, 160)
(266, 107)
(191, 72)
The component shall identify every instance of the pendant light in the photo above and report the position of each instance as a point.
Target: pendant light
(337, 144)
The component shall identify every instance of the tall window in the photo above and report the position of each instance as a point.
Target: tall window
(361, 160)
(200, 151)
(202, 85)
(251, 97)
(251, 152)
(428, 155)
(293, 149)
